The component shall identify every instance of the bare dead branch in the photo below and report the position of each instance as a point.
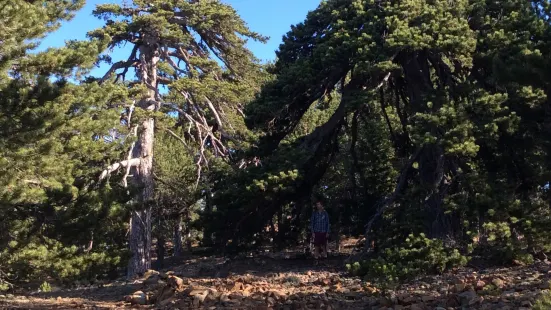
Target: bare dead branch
(114, 167)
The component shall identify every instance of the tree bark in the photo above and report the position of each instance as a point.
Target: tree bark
(178, 246)
(140, 222)
(161, 250)
(188, 231)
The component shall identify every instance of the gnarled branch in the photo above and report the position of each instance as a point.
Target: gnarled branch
(114, 167)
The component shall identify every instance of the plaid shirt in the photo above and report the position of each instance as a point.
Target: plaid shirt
(319, 222)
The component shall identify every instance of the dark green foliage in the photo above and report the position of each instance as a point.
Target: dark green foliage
(418, 255)
(56, 262)
(441, 126)
(543, 302)
(427, 121)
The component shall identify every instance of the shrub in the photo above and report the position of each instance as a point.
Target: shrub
(417, 256)
(51, 260)
(45, 287)
(543, 302)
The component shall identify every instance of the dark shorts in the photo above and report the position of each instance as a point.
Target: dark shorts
(320, 238)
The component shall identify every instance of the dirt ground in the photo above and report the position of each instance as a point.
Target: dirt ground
(288, 280)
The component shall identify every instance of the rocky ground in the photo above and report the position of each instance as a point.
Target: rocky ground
(283, 282)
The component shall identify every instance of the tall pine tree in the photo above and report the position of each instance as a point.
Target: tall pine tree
(196, 49)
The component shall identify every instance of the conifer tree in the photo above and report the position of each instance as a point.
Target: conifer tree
(53, 144)
(197, 50)
(456, 87)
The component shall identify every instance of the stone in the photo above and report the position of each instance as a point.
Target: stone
(176, 282)
(526, 303)
(199, 296)
(150, 273)
(278, 295)
(137, 298)
(237, 286)
(498, 283)
(371, 290)
(476, 300)
(460, 287)
(428, 298)
(466, 297)
(417, 307)
(236, 296)
(544, 285)
(152, 280)
(480, 284)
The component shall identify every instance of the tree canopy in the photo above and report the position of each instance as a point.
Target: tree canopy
(420, 124)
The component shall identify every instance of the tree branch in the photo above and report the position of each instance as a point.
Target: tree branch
(114, 167)
(384, 203)
(122, 64)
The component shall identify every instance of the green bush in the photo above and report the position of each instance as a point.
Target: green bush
(45, 287)
(417, 256)
(52, 261)
(543, 302)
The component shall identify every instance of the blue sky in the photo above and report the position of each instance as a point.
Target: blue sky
(271, 18)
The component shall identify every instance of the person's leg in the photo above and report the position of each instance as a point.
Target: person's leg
(324, 248)
(316, 245)
(316, 251)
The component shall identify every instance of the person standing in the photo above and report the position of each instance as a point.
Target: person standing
(319, 225)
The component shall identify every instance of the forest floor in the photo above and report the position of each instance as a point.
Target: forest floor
(288, 281)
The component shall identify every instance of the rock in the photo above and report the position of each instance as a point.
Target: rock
(526, 303)
(428, 298)
(417, 307)
(224, 298)
(544, 285)
(278, 295)
(508, 294)
(498, 283)
(457, 280)
(199, 296)
(406, 299)
(237, 286)
(137, 298)
(176, 282)
(480, 284)
(385, 302)
(476, 300)
(150, 273)
(465, 298)
(152, 280)
(236, 296)
(371, 290)
(324, 282)
(164, 296)
(460, 287)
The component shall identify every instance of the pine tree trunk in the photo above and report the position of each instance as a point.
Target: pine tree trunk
(281, 228)
(178, 246)
(188, 231)
(161, 250)
(140, 222)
